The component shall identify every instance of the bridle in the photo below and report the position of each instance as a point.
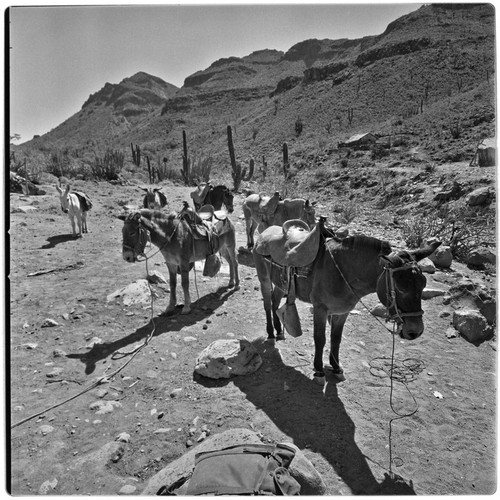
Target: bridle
(141, 241)
(398, 316)
(144, 237)
(391, 291)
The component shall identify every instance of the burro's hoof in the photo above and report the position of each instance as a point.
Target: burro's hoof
(319, 379)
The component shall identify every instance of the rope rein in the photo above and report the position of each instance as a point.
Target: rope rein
(397, 318)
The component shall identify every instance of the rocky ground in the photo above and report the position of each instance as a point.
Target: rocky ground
(65, 335)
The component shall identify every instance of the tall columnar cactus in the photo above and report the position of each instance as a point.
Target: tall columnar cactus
(264, 167)
(186, 162)
(136, 154)
(239, 174)
(286, 164)
(350, 114)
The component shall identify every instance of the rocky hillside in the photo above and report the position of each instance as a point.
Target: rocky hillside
(429, 77)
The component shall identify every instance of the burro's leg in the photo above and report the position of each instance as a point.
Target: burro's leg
(73, 226)
(79, 222)
(319, 319)
(185, 288)
(263, 268)
(84, 222)
(229, 253)
(276, 297)
(337, 326)
(172, 274)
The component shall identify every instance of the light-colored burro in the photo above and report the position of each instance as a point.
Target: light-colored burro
(180, 247)
(76, 205)
(262, 211)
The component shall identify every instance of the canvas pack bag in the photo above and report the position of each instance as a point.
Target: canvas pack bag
(212, 265)
(287, 313)
(250, 469)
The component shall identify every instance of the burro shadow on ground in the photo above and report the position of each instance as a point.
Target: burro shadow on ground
(314, 419)
(159, 324)
(58, 239)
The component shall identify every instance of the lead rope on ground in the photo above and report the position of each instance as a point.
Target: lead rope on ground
(391, 372)
(105, 377)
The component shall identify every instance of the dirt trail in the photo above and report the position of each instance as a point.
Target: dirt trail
(447, 447)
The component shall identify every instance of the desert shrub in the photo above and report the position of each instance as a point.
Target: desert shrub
(460, 227)
(378, 151)
(346, 211)
(344, 162)
(162, 172)
(109, 166)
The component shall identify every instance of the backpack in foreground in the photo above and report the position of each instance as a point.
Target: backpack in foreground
(250, 469)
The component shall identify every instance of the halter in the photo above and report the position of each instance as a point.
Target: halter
(391, 291)
(390, 286)
(141, 242)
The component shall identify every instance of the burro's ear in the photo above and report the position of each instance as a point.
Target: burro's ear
(144, 189)
(59, 190)
(426, 250)
(122, 216)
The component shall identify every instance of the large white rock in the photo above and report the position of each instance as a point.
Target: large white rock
(227, 358)
(427, 266)
(137, 292)
(301, 469)
(472, 325)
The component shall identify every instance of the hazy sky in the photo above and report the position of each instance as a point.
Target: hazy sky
(60, 55)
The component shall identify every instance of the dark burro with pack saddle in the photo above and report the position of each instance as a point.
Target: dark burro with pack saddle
(218, 196)
(262, 211)
(182, 238)
(333, 274)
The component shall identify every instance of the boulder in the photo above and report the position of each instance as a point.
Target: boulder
(442, 257)
(427, 266)
(480, 256)
(429, 293)
(137, 292)
(480, 196)
(156, 277)
(301, 469)
(226, 358)
(472, 325)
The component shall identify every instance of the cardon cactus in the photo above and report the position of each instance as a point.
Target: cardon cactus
(186, 162)
(239, 174)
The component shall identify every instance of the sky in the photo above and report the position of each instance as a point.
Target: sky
(61, 54)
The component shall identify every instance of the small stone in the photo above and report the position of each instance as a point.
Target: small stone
(128, 489)
(47, 486)
(163, 430)
(202, 437)
(100, 393)
(54, 373)
(58, 353)
(189, 443)
(49, 323)
(175, 393)
(45, 429)
(189, 339)
(173, 355)
(124, 437)
(93, 341)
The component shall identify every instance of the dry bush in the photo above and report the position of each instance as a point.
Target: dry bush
(460, 227)
(346, 211)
